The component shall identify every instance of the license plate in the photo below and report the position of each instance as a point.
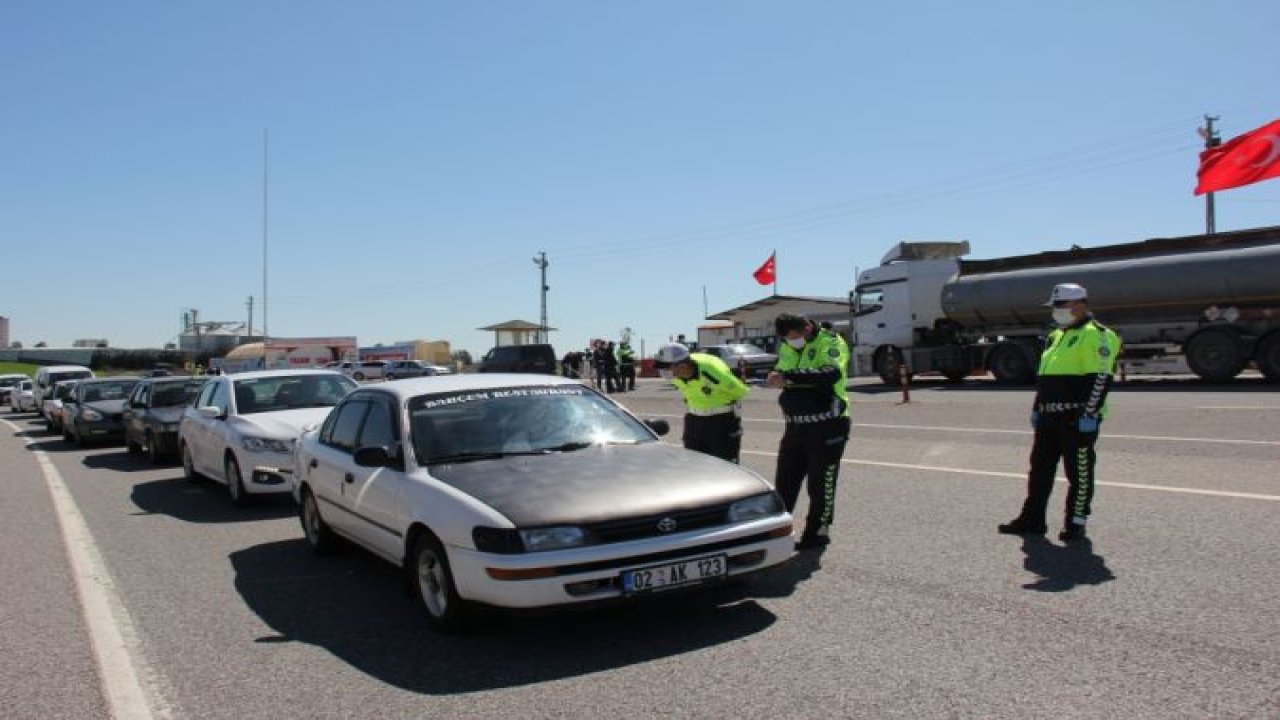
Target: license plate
(686, 572)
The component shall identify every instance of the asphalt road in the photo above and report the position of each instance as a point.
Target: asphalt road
(918, 609)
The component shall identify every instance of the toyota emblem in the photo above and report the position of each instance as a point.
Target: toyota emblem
(666, 524)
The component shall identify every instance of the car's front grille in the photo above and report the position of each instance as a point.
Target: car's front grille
(676, 521)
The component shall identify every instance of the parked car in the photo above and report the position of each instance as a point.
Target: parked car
(538, 358)
(95, 408)
(7, 383)
(398, 369)
(22, 397)
(47, 377)
(364, 370)
(248, 423)
(747, 360)
(513, 491)
(152, 414)
(51, 407)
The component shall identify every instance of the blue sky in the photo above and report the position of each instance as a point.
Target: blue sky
(422, 153)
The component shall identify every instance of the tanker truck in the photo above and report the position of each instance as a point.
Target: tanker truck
(1212, 301)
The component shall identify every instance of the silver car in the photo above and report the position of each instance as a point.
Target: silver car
(152, 414)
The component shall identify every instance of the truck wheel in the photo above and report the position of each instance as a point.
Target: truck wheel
(1267, 356)
(1214, 355)
(1010, 366)
(891, 367)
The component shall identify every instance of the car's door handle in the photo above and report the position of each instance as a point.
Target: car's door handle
(349, 478)
(313, 464)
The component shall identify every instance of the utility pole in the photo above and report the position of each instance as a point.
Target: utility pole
(541, 263)
(249, 334)
(1211, 140)
(265, 167)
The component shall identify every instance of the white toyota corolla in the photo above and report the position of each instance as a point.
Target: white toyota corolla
(242, 427)
(527, 491)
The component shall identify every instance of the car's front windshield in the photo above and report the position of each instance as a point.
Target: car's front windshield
(290, 392)
(478, 424)
(102, 391)
(175, 394)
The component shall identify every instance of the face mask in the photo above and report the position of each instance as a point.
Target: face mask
(797, 343)
(1063, 316)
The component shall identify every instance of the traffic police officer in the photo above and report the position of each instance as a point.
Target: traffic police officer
(711, 391)
(1075, 375)
(626, 367)
(812, 371)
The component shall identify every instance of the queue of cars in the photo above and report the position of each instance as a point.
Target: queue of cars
(486, 490)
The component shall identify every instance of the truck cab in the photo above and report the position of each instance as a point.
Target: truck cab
(899, 302)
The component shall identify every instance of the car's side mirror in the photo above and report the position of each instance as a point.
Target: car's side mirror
(211, 412)
(662, 427)
(372, 456)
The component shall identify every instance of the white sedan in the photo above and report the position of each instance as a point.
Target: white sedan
(22, 397)
(249, 422)
(520, 491)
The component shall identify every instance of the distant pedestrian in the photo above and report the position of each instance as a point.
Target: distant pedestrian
(712, 393)
(610, 368)
(626, 367)
(1075, 374)
(812, 372)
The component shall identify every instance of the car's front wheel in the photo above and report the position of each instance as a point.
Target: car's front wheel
(153, 450)
(235, 483)
(320, 538)
(188, 464)
(433, 585)
(130, 446)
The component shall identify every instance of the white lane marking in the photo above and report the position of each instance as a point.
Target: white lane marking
(1105, 435)
(1001, 431)
(111, 634)
(1022, 476)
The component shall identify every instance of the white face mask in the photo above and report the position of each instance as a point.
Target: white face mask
(1063, 316)
(797, 343)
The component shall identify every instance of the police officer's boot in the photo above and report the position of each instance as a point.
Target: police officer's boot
(1073, 530)
(1021, 525)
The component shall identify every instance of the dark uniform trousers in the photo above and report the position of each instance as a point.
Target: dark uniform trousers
(812, 451)
(1057, 439)
(719, 435)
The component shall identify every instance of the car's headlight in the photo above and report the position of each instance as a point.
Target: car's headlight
(91, 415)
(262, 444)
(754, 508)
(553, 538)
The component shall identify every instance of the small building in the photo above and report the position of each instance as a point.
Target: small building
(437, 352)
(517, 332)
(753, 322)
(279, 353)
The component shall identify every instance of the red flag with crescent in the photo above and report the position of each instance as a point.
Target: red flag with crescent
(1242, 160)
(766, 274)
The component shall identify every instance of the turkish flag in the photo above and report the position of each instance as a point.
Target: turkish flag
(767, 274)
(1242, 160)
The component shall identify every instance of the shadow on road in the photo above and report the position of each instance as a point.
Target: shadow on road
(118, 461)
(358, 608)
(1150, 383)
(205, 501)
(1062, 567)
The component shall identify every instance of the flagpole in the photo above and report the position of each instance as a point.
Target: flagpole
(775, 271)
(1211, 140)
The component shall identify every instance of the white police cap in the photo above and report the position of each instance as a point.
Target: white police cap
(1065, 292)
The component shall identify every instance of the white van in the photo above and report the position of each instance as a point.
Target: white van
(47, 376)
